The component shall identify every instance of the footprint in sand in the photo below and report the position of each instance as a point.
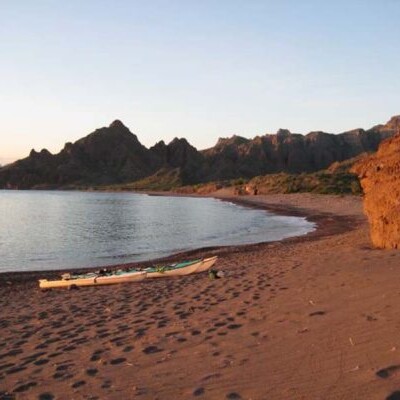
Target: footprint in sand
(92, 371)
(234, 326)
(25, 387)
(56, 354)
(387, 372)
(151, 350)
(313, 314)
(14, 370)
(5, 366)
(106, 384)
(96, 355)
(233, 396)
(117, 361)
(394, 396)
(77, 384)
(46, 396)
(42, 361)
(198, 392)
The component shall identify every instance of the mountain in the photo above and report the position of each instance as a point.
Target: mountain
(179, 154)
(107, 155)
(290, 152)
(114, 154)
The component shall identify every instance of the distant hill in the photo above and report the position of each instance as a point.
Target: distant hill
(114, 155)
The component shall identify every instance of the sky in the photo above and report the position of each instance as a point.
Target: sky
(195, 69)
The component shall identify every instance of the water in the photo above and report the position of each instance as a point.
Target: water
(42, 230)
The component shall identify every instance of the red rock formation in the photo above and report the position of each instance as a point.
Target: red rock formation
(380, 179)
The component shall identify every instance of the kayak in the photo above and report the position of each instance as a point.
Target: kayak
(105, 277)
(207, 264)
(93, 280)
(179, 269)
(185, 268)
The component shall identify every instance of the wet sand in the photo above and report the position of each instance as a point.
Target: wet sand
(314, 317)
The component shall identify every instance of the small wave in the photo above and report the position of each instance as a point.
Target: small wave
(36, 259)
(117, 256)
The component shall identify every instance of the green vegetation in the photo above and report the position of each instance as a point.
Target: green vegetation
(322, 182)
(335, 180)
(163, 180)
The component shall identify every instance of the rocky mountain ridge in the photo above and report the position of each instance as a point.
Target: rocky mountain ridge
(114, 154)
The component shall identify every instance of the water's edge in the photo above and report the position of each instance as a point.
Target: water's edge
(79, 231)
(325, 225)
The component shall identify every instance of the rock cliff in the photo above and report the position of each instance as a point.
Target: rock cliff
(380, 179)
(289, 152)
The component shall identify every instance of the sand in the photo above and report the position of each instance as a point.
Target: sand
(314, 317)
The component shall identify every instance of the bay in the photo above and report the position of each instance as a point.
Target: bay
(46, 230)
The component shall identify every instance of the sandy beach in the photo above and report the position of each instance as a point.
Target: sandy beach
(314, 317)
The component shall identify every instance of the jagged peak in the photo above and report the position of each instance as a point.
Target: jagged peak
(177, 140)
(43, 153)
(314, 134)
(160, 143)
(357, 131)
(393, 123)
(283, 133)
(235, 139)
(117, 124)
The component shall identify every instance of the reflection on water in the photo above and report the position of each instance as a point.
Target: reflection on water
(42, 230)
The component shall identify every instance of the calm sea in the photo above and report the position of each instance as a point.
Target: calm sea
(43, 230)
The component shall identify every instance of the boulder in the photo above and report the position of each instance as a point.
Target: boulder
(380, 179)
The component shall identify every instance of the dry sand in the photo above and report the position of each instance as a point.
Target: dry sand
(308, 318)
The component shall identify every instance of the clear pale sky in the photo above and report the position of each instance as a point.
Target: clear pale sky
(195, 69)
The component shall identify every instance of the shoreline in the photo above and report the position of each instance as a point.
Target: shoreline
(312, 317)
(325, 225)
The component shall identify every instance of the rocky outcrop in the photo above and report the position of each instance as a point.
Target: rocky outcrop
(380, 179)
(289, 152)
(180, 156)
(108, 155)
(114, 155)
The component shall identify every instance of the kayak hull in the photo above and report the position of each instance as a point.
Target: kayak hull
(187, 270)
(207, 264)
(93, 281)
(111, 280)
